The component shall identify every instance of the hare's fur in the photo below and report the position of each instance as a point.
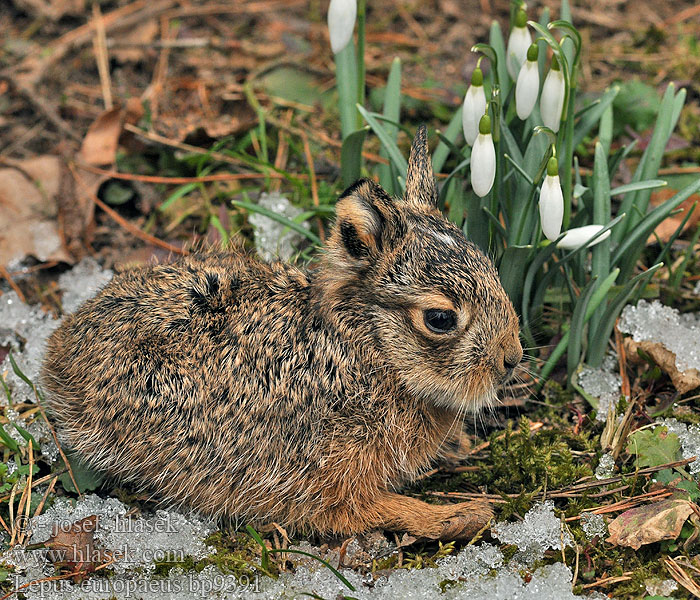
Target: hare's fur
(262, 392)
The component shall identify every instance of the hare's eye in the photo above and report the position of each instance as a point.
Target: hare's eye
(440, 321)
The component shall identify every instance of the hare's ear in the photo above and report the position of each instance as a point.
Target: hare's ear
(361, 215)
(420, 184)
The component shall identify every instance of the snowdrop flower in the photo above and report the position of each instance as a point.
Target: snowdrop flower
(551, 202)
(341, 23)
(474, 107)
(578, 236)
(552, 100)
(483, 161)
(518, 43)
(528, 85)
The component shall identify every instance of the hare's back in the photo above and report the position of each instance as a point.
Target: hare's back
(172, 362)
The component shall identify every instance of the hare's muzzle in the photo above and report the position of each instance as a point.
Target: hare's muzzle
(512, 354)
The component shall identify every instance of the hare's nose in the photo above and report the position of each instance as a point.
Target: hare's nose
(512, 356)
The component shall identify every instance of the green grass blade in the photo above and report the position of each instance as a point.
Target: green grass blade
(648, 165)
(18, 371)
(177, 194)
(573, 357)
(27, 436)
(442, 151)
(6, 389)
(674, 281)
(605, 130)
(627, 253)
(543, 286)
(649, 184)
(559, 350)
(346, 81)
(249, 206)
(601, 215)
(599, 337)
(453, 173)
(351, 157)
(498, 44)
(536, 265)
(390, 145)
(667, 247)
(392, 111)
(7, 440)
(513, 264)
(335, 572)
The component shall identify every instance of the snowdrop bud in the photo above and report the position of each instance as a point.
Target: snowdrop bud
(552, 100)
(578, 236)
(518, 43)
(474, 107)
(551, 202)
(528, 85)
(483, 161)
(341, 23)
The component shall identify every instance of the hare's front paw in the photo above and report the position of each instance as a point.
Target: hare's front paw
(431, 521)
(467, 519)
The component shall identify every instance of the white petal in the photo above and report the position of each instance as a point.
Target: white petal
(483, 164)
(341, 22)
(551, 207)
(578, 236)
(552, 99)
(526, 89)
(516, 53)
(473, 109)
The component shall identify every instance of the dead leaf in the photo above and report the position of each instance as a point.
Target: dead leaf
(73, 546)
(131, 46)
(668, 226)
(650, 523)
(52, 9)
(102, 138)
(28, 211)
(683, 381)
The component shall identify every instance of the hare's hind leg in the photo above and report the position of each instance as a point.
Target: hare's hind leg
(445, 522)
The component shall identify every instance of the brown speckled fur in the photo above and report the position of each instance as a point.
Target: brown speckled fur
(265, 393)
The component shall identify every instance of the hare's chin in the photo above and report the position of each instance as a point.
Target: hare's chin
(456, 399)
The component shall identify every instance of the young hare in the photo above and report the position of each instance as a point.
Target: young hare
(263, 392)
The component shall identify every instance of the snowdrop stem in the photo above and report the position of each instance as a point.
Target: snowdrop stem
(346, 80)
(361, 14)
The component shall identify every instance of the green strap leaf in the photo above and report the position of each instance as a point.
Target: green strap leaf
(249, 206)
(351, 156)
(389, 144)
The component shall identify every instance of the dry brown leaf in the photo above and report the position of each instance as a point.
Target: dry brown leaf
(52, 9)
(28, 211)
(650, 523)
(683, 381)
(668, 226)
(102, 138)
(74, 546)
(132, 45)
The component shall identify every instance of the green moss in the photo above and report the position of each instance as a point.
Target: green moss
(522, 462)
(236, 554)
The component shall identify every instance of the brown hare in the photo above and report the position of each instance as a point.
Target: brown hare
(262, 392)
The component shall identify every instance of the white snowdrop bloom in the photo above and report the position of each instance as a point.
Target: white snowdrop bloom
(552, 99)
(551, 202)
(483, 161)
(518, 43)
(341, 23)
(528, 85)
(578, 236)
(474, 107)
